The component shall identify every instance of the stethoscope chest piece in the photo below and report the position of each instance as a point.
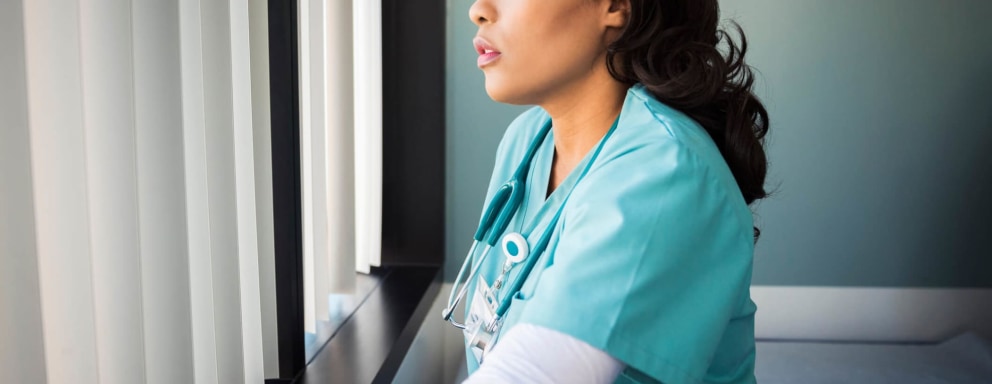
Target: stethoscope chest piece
(515, 247)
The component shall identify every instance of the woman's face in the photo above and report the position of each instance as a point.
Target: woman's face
(531, 50)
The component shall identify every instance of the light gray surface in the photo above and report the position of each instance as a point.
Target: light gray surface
(964, 359)
(22, 350)
(880, 125)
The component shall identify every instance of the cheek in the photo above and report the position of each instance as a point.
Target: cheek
(560, 45)
(540, 57)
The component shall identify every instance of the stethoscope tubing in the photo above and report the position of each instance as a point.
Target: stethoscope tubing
(464, 287)
(493, 223)
(542, 243)
(506, 201)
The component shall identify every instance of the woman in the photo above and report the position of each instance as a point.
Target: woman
(635, 204)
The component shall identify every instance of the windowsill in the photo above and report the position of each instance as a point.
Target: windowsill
(370, 345)
(340, 309)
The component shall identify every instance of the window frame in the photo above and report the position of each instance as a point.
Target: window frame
(413, 189)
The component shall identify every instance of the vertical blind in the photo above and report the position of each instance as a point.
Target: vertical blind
(368, 135)
(341, 147)
(133, 249)
(136, 224)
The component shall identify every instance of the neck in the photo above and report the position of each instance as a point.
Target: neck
(582, 115)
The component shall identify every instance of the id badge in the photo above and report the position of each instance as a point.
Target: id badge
(482, 312)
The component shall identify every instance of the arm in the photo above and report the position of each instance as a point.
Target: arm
(533, 354)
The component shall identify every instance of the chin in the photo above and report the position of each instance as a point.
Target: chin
(505, 93)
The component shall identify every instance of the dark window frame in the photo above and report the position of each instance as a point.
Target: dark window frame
(413, 191)
(286, 185)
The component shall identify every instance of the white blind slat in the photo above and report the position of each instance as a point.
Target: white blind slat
(319, 157)
(368, 133)
(244, 170)
(58, 162)
(221, 187)
(108, 115)
(261, 126)
(197, 205)
(22, 357)
(340, 139)
(165, 269)
(306, 169)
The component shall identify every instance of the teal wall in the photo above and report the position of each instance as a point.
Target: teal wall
(474, 126)
(881, 143)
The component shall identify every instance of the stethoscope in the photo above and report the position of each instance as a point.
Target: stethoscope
(498, 213)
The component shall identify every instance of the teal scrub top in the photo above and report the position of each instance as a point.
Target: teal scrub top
(651, 258)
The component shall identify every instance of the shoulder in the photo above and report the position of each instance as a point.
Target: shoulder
(652, 131)
(655, 151)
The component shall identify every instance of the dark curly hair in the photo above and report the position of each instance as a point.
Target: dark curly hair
(672, 48)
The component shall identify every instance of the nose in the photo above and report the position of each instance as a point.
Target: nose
(482, 12)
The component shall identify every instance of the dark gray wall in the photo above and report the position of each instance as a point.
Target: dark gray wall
(881, 128)
(413, 132)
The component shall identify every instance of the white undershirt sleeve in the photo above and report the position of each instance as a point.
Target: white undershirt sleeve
(533, 354)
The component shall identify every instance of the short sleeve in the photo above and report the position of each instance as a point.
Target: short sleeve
(653, 259)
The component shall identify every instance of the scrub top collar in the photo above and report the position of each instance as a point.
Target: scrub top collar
(540, 173)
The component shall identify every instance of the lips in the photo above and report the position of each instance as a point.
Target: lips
(487, 53)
